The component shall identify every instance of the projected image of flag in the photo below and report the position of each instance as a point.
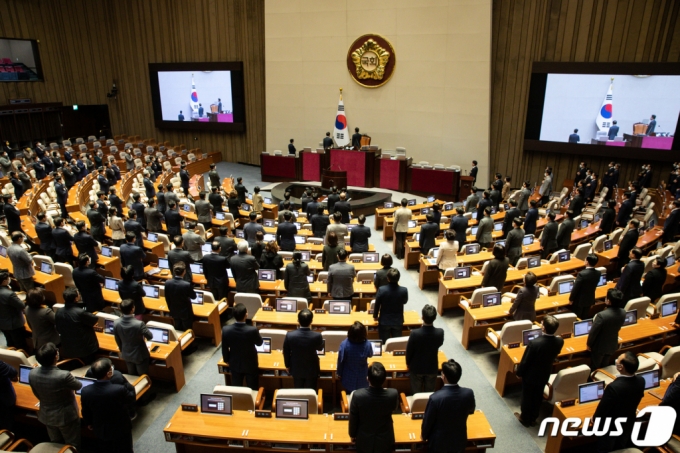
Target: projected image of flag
(193, 103)
(604, 116)
(340, 134)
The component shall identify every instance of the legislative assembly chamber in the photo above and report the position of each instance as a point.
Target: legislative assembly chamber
(313, 225)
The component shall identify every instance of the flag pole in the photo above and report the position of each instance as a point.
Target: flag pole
(341, 94)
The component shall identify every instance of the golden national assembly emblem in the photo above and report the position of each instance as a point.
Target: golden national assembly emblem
(371, 61)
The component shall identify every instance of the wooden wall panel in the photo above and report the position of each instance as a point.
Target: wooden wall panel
(85, 45)
(525, 31)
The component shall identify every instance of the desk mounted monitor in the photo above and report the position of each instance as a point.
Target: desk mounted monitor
(584, 224)
(186, 207)
(603, 280)
(296, 214)
(411, 202)
(371, 257)
(565, 287)
(3, 251)
(85, 381)
(472, 249)
(473, 230)
(159, 335)
(669, 308)
(582, 327)
(322, 351)
(474, 215)
(431, 198)
(608, 244)
(267, 200)
(498, 226)
(651, 224)
(596, 218)
(533, 261)
(448, 206)
(107, 252)
(239, 234)
(286, 305)
(310, 278)
(376, 345)
(425, 211)
(249, 196)
(434, 252)
(229, 273)
(530, 334)
(151, 291)
(501, 242)
(163, 263)
(528, 240)
(24, 371)
(265, 347)
(388, 205)
(111, 283)
(206, 248)
(462, 272)
(300, 239)
(670, 260)
(305, 255)
(108, 326)
(268, 237)
(631, 318)
(339, 307)
(298, 225)
(152, 237)
(268, 222)
(266, 275)
(651, 377)
(219, 215)
(412, 223)
(196, 268)
(245, 207)
(489, 300)
(563, 256)
(292, 409)
(199, 298)
(416, 236)
(46, 268)
(216, 404)
(590, 392)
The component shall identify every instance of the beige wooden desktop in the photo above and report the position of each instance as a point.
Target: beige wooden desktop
(326, 321)
(450, 291)
(388, 222)
(645, 242)
(381, 213)
(53, 283)
(196, 432)
(646, 335)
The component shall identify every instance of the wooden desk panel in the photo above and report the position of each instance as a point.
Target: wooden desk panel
(327, 321)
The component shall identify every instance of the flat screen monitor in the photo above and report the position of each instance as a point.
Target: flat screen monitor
(322, 351)
(501, 242)
(376, 345)
(498, 226)
(424, 211)
(267, 200)
(528, 240)
(266, 275)
(245, 207)
(216, 404)
(388, 205)
(412, 223)
(24, 371)
(107, 252)
(411, 202)
(431, 198)
(582, 327)
(108, 326)
(669, 308)
(651, 224)
(473, 230)
(296, 214)
(462, 272)
(186, 207)
(286, 305)
(474, 215)
(152, 237)
(249, 196)
(371, 257)
(292, 408)
(151, 291)
(163, 263)
(584, 223)
(85, 381)
(310, 278)
(530, 334)
(651, 377)
(300, 239)
(416, 236)
(489, 300)
(159, 335)
(608, 244)
(269, 237)
(111, 283)
(590, 392)
(339, 307)
(563, 256)
(21, 60)
(219, 215)
(206, 248)
(268, 222)
(596, 218)
(196, 268)
(670, 260)
(3, 251)
(434, 252)
(265, 347)
(494, 210)
(631, 318)
(565, 287)
(199, 298)
(305, 255)
(239, 233)
(448, 207)
(46, 268)
(229, 273)
(603, 280)
(533, 261)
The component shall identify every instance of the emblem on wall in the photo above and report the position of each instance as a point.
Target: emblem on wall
(371, 61)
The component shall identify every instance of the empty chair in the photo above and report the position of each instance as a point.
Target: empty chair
(567, 321)
(184, 338)
(555, 283)
(510, 333)
(253, 302)
(656, 308)
(582, 251)
(668, 359)
(564, 385)
(333, 339)
(555, 255)
(242, 398)
(277, 336)
(355, 256)
(315, 400)
(640, 304)
(414, 403)
(322, 277)
(598, 243)
(365, 275)
(396, 344)
(615, 236)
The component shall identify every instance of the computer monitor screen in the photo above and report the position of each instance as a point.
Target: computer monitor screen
(411, 202)
(603, 280)
(216, 404)
(310, 278)
(498, 226)
(196, 268)
(462, 272)
(265, 347)
(489, 300)
(651, 224)
(591, 391)
(584, 224)
(24, 371)
(229, 273)
(501, 242)
(563, 256)
(371, 257)
(199, 298)
(608, 244)
(531, 334)
(565, 287)
(291, 408)
(151, 291)
(322, 351)
(533, 261)
(245, 207)
(286, 305)
(186, 207)
(388, 205)
(152, 237)
(239, 234)
(163, 263)
(434, 252)
(108, 326)
(249, 196)
(267, 200)
(431, 199)
(85, 381)
(296, 214)
(266, 275)
(473, 230)
(669, 308)
(670, 260)
(424, 211)
(448, 206)
(651, 378)
(111, 283)
(416, 236)
(494, 209)
(268, 222)
(3, 251)
(412, 223)
(269, 237)
(159, 335)
(107, 252)
(528, 239)
(305, 255)
(596, 218)
(631, 318)
(339, 307)
(474, 215)
(45, 267)
(298, 225)
(582, 327)
(350, 226)
(219, 215)
(300, 239)
(377, 347)
(206, 248)
(472, 249)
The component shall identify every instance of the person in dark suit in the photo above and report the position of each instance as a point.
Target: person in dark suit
(564, 233)
(240, 190)
(333, 198)
(473, 172)
(577, 202)
(513, 243)
(524, 305)
(613, 130)
(149, 189)
(291, 148)
(510, 215)
(8, 396)
(105, 409)
(299, 352)
(444, 425)
(651, 127)
(86, 243)
(625, 210)
(389, 307)
(54, 388)
(62, 241)
(497, 269)
(180, 117)
(244, 268)
(128, 288)
(131, 335)
(652, 287)
(319, 222)
(216, 201)
(238, 349)
(629, 283)
(227, 244)
(160, 199)
(16, 183)
(670, 227)
(12, 318)
(75, 325)
(343, 207)
(97, 222)
(103, 182)
(327, 141)
(591, 188)
(628, 242)
(62, 194)
(608, 218)
(154, 217)
(574, 138)
(380, 278)
(88, 281)
(535, 369)
(582, 295)
(531, 218)
(428, 234)
(370, 413)
(184, 177)
(173, 220)
(356, 139)
(620, 399)
(178, 254)
(483, 203)
(358, 237)
(603, 338)
(215, 270)
(178, 295)
(671, 398)
(422, 351)
(312, 206)
(132, 255)
(285, 233)
(115, 201)
(459, 224)
(200, 110)
(12, 216)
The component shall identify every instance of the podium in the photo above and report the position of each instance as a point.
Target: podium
(465, 187)
(330, 178)
(358, 164)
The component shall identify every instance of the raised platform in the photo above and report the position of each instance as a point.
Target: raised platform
(362, 201)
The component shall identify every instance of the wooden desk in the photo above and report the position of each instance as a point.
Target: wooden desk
(428, 181)
(451, 290)
(53, 283)
(196, 432)
(645, 242)
(646, 335)
(381, 213)
(326, 321)
(280, 167)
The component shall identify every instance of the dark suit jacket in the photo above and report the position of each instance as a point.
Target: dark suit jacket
(549, 237)
(653, 284)
(74, 324)
(160, 202)
(244, 268)
(173, 222)
(344, 208)
(625, 210)
(105, 408)
(86, 244)
(356, 141)
(670, 227)
(299, 352)
(629, 283)
(291, 148)
(131, 335)
(612, 132)
(97, 222)
(132, 290)
(574, 138)
(428, 236)
(132, 255)
(89, 282)
(358, 238)
(11, 309)
(177, 255)
(473, 173)
(604, 335)
(583, 292)
(651, 126)
(495, 273)
(444, 425)
(576, 205)
(285, 236)
(621, 398)
(227, 246)
(215, 271)
(238, 347)
(7, 395)
(330, 202)
(62, 241)
(483, 203)
(422, 350)
(241, 191)
(319, 224)
(513, 245)
(459, 224)
(389, 304)
(149, 188)
(117, 203)
(44, 232)
(530, 221)
(537, 361)
(564, 234)
(54, 389)
(607, 222)
(628, 242)
(510, 215)
(153, 219)
(178, 295)
(216, 201)
(137, 228)
(311, 208)
(13, 218)
(370, 419)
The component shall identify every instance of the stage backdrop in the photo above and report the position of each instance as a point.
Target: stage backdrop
(436, 104)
